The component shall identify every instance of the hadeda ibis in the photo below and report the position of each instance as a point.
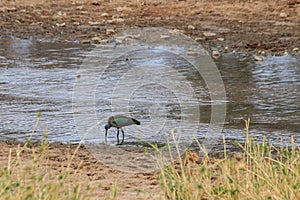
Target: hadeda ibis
(119, 121)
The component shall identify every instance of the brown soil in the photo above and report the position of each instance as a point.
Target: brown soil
(91, 171)
(242, 25)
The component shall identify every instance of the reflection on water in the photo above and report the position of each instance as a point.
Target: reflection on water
(267, 92)
(39, 76)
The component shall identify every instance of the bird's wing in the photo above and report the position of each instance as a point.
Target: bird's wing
(122, 121)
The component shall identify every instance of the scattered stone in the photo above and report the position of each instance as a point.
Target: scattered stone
(96, 3)
(104, 41)
(283, 15)
(191, 27)
(137, 36)
(286, 53)
(258, 58)
(8, 9)
(118, 41)
(61, 13)
(123, 37)
(118, 20)
(296, 49)
(94, 23)
(226, 49)
(175, 30)
(209, 34)
(78, 76)
(164, 36)
(110, 31)
(61, 24)
(96, 40)
(120, 9)
(262, 52)
(285, 23)
(85, 41)
(104, 15)
(215, 53)
(192, 53)
(199, 39)
(221, 39)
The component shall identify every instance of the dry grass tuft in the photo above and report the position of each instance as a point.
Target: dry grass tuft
(261, 171)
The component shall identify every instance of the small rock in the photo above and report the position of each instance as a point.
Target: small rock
(118, 41)
(192, 53)
(258, 58)
(283, 15)
(94, 23)
(61, 13)
(191, 27)
(261, 52)
(226, 49)
(96, 40)
(175, 30)
(77, 75)
(215, 53)
(11, 9)
(104, 15)
(61, 24)
(164, 36)
(85, 41)
(110, 31)
(209, 34)
(120, 9)
(104, 41)
(199, 39)
(296, 49)
(76, 23)
(286, 53)
(137, 36)
(122, 37)
(118, 20)
(221, 39)
(95, 3)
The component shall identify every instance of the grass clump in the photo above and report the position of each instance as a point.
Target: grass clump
(30, 174)
(260, 171)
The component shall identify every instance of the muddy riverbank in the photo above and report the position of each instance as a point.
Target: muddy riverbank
(250, 26)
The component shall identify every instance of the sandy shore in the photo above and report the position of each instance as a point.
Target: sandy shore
(88, 169)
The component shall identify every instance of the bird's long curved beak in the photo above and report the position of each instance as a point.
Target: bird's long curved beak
(106, 135)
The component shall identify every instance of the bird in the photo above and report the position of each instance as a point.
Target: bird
(119, 121)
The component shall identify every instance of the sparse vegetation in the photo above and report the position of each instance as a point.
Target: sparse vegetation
(261, 171)
(29, 174)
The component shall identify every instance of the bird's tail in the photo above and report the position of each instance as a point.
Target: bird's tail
(136, 121)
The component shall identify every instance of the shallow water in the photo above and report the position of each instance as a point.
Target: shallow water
(39, 76)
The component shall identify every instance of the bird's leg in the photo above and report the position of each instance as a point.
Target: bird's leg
(118, 136)
(123, 136)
